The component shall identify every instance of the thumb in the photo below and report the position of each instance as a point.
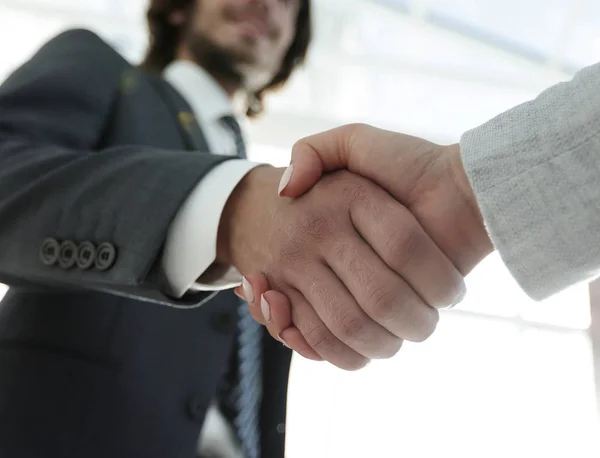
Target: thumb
(313, 156)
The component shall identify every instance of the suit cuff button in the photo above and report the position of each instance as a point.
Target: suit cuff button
(67, 255)
(86, 255)
(49, 252)
(106, 256)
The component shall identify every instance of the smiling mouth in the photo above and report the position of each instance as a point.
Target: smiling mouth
(254, 27)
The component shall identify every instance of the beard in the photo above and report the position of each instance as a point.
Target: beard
(235, 69)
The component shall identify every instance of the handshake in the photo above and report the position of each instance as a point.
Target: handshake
(371, 233)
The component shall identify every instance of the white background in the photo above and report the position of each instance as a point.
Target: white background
(502, 376)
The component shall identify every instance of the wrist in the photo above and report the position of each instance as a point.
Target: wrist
(476, 225)
(243, 217)
(461, 180)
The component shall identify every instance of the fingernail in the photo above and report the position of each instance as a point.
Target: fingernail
(248, 291)
(282, 340)
(239, 294)
(285, 179)
(266, 309)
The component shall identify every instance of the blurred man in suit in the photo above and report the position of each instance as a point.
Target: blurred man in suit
(115, 216)
(107, 371)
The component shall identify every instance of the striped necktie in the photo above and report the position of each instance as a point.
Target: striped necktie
(231, 124)
(245, 390)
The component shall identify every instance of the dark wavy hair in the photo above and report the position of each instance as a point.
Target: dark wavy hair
(164, 39)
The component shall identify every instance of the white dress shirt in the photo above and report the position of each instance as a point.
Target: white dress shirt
(191, 244)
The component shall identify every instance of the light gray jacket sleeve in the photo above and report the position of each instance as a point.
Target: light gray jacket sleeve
(535, 171)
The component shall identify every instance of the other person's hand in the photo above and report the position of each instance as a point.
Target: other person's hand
(427, 178)
(359, 271)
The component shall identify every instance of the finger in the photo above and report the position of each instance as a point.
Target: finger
(276, 309)
(239, 293)
(343, 316)
(381, 293)
(277, 312)
(281, 319)
(394, 161)
(253, 286)
(313, 156)
(273, 310)
(293, 338)
(398, 238)
(319, 337)
(254, 311)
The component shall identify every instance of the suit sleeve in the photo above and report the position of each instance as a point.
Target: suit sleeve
(535, 171)
(56, 185)
(188, 260)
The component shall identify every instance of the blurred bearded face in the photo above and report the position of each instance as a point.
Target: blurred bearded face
(242, 41)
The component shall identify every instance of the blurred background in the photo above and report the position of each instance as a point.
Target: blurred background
(502, 376)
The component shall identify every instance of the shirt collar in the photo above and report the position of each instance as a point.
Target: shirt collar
(206, 97)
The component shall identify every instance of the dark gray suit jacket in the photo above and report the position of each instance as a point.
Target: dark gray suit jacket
(94, 360)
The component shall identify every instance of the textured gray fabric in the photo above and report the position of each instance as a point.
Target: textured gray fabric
(535, 170)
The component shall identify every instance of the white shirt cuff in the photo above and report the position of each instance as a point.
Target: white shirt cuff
(191, 245)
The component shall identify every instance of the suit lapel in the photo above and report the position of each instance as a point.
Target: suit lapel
(188, 125)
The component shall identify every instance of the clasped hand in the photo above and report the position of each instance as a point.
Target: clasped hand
(361, 259)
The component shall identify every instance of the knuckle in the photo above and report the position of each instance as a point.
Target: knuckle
(290, 252)
(356, 190)
(359, 193)
(357, 126)
(403, 245)
(356, 130)
(314, 226)
(344, 252)
(351, 328)
(347, 187)
(383, 305)
(403, 317)
(320, 339)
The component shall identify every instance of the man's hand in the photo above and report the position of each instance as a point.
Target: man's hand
(359, 271)
(428, 179)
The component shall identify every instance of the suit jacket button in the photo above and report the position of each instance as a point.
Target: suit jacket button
(281, 428)
(196, 408)
(86, 255)
(223, 322)
(49, 252)
(67, 255)
(106, 256)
